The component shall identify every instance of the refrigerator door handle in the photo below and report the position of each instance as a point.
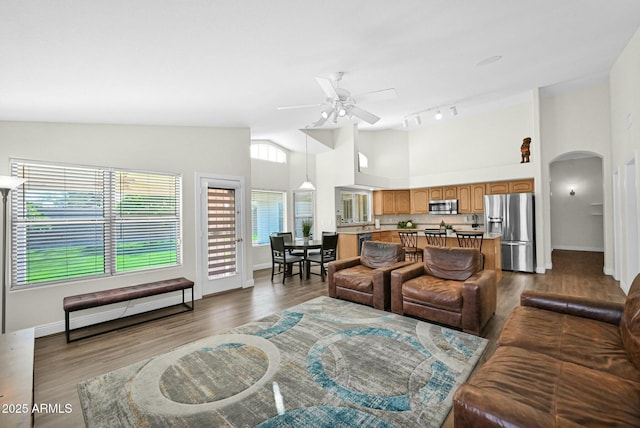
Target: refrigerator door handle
(495, 219)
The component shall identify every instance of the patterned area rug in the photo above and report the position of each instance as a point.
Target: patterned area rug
(323, 363)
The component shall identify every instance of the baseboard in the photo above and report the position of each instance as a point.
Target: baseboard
(574, 248)
(110, 314)
(262, 266)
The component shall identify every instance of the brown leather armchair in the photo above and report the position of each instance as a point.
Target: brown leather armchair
(366, 279)
(450, 288)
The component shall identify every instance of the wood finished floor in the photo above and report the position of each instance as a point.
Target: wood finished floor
(59, 366)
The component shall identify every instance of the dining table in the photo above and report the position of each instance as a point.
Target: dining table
(305, 245)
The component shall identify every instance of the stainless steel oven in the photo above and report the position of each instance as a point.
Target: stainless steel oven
(446, 206)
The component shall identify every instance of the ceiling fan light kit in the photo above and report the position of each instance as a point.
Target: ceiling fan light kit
(340, 103)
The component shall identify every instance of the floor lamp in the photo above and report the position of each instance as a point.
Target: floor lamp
(7, 184)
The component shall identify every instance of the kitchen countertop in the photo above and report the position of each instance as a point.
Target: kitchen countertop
(359, 232)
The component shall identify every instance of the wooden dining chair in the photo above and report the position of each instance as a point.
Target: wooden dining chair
(436, 237)
(409, 241)
(328, 253)
(281, 257)
(470, 239)
(288, 238)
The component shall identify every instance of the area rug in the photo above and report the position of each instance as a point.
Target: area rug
(323, 363)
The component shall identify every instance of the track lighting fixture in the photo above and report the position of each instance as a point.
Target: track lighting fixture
(405, 123)
(454, 111)
(438, 115)
(418, 120)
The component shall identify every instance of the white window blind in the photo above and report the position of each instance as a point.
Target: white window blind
(76, 222)
(267, 215)
(302, 210)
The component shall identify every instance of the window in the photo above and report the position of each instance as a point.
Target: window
(71, 222)
(302, 210)
(363, 161)
(267, 215)
(356, 206)
(268, 152)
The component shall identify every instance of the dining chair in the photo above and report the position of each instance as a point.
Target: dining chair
(409, 241)
(288, 238)
(282, 258)
(470, 239)
(327, 253)
(436, 237)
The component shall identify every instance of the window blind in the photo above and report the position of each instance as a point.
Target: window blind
(267, 215)
(302, 210)
(76, 222)
(221, 231)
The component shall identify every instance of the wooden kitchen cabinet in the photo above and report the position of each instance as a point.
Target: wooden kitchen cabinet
(464, 199)
(477, 197)
(386, 202)
(436, 193)
(521, 186)
(498, 188)
(450, 192)
(420, 201)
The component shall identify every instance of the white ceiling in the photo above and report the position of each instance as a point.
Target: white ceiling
(231, 63)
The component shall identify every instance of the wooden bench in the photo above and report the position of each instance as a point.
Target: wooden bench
(100, 298)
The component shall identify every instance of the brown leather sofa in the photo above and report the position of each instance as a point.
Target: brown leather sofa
(366, 279)
(450, 287)
(561, 361)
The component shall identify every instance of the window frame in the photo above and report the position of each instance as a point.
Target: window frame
(113, 222)
(268, 153)
(283, 220)
(295, 215)
(354, 193)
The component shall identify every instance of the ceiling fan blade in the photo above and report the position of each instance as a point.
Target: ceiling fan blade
(328, 88)
(380, 95)
(319, 122)
(370, 118)
(298, 106)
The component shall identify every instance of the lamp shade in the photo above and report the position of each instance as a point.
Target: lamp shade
(9, 182)
(307, 185)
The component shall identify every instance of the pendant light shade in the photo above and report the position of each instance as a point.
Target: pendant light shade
(307, 184)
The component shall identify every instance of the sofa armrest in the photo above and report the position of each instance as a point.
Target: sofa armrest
(399, 277)
(585, 307)
(336, 266)
(479, 296)
(382, 284)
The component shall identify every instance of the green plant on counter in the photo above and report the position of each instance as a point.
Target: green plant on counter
(409, 224)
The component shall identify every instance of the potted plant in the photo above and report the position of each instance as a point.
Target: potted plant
(306, 229)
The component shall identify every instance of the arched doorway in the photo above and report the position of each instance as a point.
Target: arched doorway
(576, 202)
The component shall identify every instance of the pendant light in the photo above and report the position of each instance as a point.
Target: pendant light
(307, 184)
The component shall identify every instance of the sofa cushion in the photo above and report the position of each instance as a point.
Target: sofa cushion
(453, 263)
(519, 387)
(375, 254)
(582, 341)
(630, 323)
(358, 278)
(436, 292)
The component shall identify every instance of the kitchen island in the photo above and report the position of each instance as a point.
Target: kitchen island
(491, 245)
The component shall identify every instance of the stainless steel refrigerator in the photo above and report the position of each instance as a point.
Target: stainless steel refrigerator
(513, 216)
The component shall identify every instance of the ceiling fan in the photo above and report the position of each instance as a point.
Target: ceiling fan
(340, 103)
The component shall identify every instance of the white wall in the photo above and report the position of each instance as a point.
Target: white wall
(477, 148)
(577, 120)
(334, 169)
(624, 81)
(388, 155)
(184, 150)
(577, 221)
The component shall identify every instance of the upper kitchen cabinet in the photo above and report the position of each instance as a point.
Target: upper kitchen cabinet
(464, 199)
(420, 201)
(450, 192)
(513, 186)
(391, 202)
(436, 193)
(477, 197)
(521, 186)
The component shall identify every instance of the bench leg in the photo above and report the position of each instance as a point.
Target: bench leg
(66, 324)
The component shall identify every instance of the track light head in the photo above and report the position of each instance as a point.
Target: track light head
(438, 115)
(454, 111)
(418, 120)
(405, 123)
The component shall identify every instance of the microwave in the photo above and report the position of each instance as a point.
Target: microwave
(447, 206)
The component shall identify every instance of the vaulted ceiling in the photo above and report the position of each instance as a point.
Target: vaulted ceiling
(232, 63)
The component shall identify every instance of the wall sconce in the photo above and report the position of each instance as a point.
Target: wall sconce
(572, 192)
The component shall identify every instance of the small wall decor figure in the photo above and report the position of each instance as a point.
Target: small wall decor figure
(524, 150)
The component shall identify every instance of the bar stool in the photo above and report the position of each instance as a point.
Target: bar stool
(409, 241)
(436, 237)
(470, 239)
